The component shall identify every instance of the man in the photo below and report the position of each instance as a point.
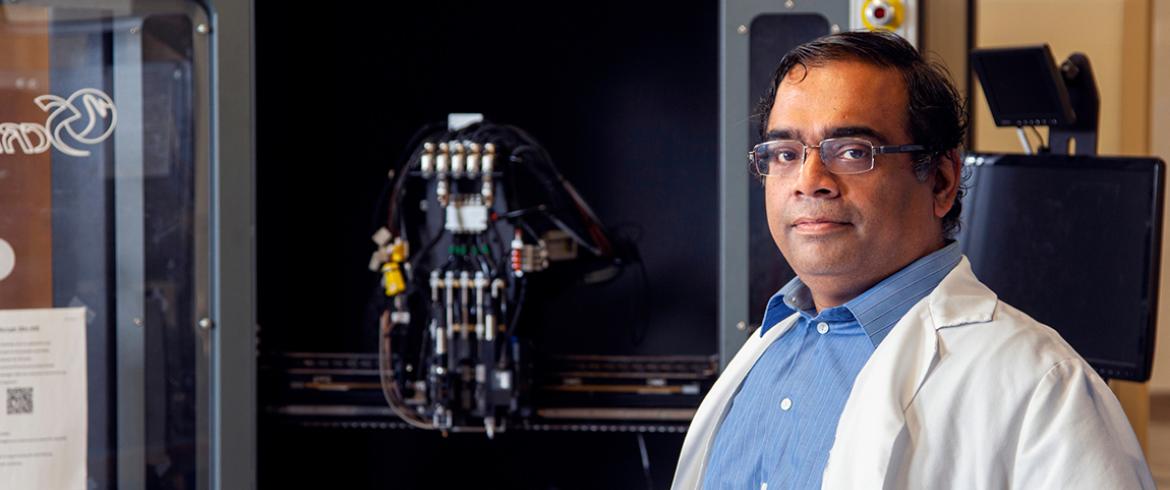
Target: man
(886, 363)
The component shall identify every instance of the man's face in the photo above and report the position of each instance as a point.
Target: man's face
(844, 233)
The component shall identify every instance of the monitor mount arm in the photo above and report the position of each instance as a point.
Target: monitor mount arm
(1078, 78)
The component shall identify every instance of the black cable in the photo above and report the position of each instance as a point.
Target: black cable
(425, 350)
(543, 210)
(645, 461)
(521, 293)
(572, 234)
(1043, 144)
(485, 252)
(484, 266)
(396, 193)
(426, 250)
(407, 152)
(539, 172)
(511, 311)
(400, 180)
(523, 225)
(460, 259)
(387, 380)
(548, 160)
(639, 332)
(555, 183)
(504, 246)
(519, 213)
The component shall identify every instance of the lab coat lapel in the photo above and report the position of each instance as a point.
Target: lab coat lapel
(874, 415)
(693, 457)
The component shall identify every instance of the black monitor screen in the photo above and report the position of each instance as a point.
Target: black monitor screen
(1022, 86)
(1074, 242)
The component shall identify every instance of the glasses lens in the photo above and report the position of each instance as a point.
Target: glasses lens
(777, 157)
(847, 155)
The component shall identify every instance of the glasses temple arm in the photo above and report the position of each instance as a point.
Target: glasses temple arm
(903, 149)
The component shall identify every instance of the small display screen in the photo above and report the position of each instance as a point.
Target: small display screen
(1073, 242)
(1022, 86)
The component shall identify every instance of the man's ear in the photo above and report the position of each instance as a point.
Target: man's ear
(947, 175)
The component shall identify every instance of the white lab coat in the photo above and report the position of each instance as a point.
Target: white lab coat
(965, 392)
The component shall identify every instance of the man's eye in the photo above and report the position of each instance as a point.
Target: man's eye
(854, 153)
(787, 156)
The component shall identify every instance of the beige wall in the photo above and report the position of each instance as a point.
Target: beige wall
(944, 37)
(1160, 145)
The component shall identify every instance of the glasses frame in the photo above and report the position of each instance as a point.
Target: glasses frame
(875, 150)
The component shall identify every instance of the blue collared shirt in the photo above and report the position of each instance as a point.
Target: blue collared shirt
(781, 423)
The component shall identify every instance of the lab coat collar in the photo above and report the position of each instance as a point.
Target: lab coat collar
(966, 300)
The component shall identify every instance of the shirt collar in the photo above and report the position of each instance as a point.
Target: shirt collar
(879, 308)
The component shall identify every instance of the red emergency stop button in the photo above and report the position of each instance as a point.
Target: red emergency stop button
(882, 14)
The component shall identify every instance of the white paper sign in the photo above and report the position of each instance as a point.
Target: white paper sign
(43, 420)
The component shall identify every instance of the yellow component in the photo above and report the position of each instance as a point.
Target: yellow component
(398, 251)
(392, 279)
(882, 14)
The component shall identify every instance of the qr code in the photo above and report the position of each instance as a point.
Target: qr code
(20, 400)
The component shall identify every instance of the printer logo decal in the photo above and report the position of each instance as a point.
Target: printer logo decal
(86, 118)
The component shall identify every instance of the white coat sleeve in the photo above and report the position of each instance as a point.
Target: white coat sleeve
(1074, 434)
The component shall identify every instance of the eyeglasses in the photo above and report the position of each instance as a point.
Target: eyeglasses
(781, 158)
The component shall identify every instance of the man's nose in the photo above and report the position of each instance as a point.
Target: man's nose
(814, 179)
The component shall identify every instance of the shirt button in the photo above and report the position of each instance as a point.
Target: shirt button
(822, 328)
(785, 404)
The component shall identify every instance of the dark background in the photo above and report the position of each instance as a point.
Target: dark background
(625, 98)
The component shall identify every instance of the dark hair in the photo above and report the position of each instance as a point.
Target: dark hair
(936, 115)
